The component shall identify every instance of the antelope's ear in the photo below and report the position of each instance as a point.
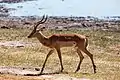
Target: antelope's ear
(42, 28)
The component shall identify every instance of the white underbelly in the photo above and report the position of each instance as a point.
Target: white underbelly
(67, 44)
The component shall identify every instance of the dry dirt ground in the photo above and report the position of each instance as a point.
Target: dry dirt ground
(14, 73)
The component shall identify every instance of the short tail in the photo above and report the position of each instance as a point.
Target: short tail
(86, 42)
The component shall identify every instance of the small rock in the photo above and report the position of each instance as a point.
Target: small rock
(37, 69)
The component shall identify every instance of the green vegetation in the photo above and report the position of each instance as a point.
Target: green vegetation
(105, 46)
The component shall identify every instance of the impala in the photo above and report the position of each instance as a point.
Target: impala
(57, 41)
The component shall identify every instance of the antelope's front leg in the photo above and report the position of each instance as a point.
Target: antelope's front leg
(60, 58)
(50, 52)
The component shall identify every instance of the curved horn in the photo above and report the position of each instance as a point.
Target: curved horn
(43, 20)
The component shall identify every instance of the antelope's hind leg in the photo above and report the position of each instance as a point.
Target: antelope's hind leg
(81, 59)
(91, 57)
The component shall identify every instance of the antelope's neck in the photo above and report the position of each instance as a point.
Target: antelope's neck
(43, 39)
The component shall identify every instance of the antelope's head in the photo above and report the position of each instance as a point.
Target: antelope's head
(35, 30)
